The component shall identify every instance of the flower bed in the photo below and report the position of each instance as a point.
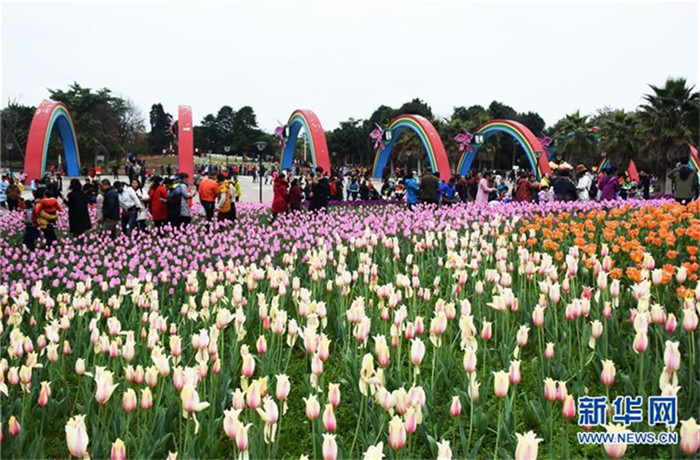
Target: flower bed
(463, 330)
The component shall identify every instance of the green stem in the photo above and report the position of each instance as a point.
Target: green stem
(357, 427)
(498, 430)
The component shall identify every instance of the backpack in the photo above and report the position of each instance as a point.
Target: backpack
(174, 202)
(593, 189)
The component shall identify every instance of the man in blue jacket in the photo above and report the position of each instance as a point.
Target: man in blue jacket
(412, 189)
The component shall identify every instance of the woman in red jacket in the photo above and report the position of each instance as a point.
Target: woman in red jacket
(158, 198)
(279, 201)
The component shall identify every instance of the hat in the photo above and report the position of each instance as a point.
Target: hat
(581, 168)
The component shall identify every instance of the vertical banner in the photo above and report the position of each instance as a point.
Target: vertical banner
(185, 141)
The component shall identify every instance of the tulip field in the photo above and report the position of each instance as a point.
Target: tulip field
(368, 332)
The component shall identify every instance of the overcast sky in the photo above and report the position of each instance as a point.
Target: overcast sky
(344, 60)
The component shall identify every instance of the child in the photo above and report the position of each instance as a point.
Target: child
(47, 211)
(31, 232)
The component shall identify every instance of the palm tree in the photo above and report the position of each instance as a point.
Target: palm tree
(668, 123)
(618, 131)
(575, 141)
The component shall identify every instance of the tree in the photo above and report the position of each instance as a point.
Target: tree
(499, 111)
(349, 141)
(416, 107)
(15, 122)
(160, 137)
(668, 122)
(619, 137)
(575, 141)
(102, 122)
(130, 123)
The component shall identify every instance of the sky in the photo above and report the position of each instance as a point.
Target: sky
(343, 60)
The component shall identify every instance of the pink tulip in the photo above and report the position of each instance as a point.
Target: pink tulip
(146, 398)
(397, 433)
(672, 356)
(330, 447)
(549, 351)
(569, 408)
(44, 393)
(129, 400)
(118, 451)
(514, 372)
(417, 351)
(312, 407)
(486, 330)
(334, 394)
(607, 376)
(13, 427)
(455, 407)
(469, 360)
(690, 436)
(329, 422)
(500, 383)
(550, 389)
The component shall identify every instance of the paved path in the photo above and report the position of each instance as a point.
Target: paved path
(250, 191)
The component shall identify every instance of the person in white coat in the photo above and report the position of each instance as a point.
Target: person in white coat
(142, 195)
(583, 184)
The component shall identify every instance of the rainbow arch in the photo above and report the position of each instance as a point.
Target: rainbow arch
(317, 140)
(694, 161)
(428, 136)
(47, 115)
(527, 140)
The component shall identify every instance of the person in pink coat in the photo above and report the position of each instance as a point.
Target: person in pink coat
(482, 194)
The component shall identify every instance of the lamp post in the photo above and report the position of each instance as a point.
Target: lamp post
(227, 149)
(8, 146)
(260, 145)
(303, 138)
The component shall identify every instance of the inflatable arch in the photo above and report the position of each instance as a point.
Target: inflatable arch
(47, 115)
(185, 141)
(317, 140)
(527, 140)
(428, 136)
(694, 160)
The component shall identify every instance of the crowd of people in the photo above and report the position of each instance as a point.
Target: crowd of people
(126, 206)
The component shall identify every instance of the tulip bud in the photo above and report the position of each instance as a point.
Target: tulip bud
(568, 410)
(455, 407)
(607, 376)
(549, 351)
(146, 398)
(616, 450)
(417, 351)
(486, 330)
(118, 451)
(44, 393)
(397, 433)
(129, 400)
(469, 361)
(500, 383)
(334, 394)
(690, 436)
(329, 422)
(13, 427)
(312, 407)
(330, 447)
(527, 446)
(550, 389)
(672, 356)
(514, 372)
